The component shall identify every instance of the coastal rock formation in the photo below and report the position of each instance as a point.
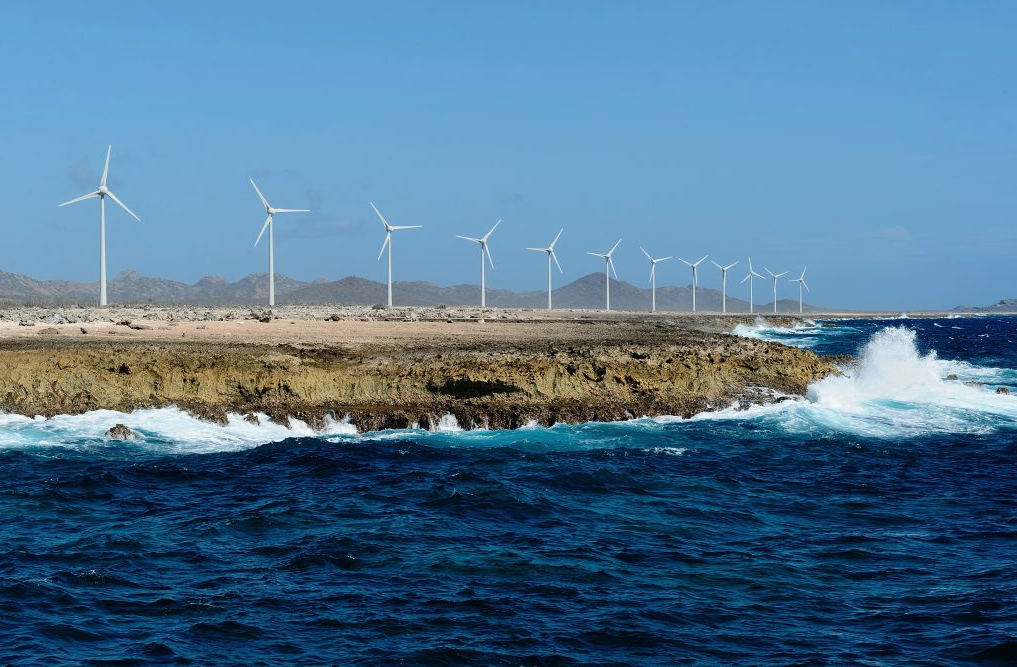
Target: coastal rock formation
(120, 432)
(574, 372)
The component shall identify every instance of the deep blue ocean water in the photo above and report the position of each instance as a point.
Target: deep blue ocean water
(872, 523)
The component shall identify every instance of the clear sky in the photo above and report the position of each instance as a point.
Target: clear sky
(873, 141)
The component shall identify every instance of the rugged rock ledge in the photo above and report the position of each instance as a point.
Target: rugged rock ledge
(547, 372)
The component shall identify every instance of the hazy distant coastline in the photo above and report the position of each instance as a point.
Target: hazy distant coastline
(130, 287)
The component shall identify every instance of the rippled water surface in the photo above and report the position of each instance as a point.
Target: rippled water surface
(874, 522)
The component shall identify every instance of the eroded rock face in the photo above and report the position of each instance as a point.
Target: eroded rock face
(606, 373)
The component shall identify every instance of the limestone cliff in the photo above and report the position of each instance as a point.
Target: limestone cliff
(611, 373)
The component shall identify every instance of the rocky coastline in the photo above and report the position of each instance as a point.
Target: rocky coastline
(491, 369)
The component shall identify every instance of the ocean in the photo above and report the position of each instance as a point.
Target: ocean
(873, 522)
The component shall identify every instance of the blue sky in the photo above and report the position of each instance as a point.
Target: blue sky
(873, 141)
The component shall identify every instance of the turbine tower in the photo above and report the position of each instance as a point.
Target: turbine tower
(695, 278)
(653, 278)
(388, 242)
(801, 283)
(482, 242)
(550, 255)
(271, 246)
(102, 193)
(749, 276)
(723, 283)
(608, 265)
(775, 276)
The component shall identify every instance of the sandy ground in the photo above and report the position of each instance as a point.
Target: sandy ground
(353, 326)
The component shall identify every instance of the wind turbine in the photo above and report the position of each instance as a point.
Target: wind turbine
(102, 193)
(695, 278)
(801, 283)
(653, 278)
(749, 276)
(550, 255)
(482, 241)
(775, 276)
(723, 283)
(388, 242)
(271, 247)
(608, 265)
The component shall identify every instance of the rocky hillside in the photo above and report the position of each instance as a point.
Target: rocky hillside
(130, 287)
(1001, 306)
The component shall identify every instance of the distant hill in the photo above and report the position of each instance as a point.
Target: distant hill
(1001, 306)
(586, 293)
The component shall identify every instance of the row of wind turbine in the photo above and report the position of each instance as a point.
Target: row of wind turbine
(103, 191)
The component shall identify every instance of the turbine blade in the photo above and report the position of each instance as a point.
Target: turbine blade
(730, 266)
(488, 251)
(745, 278)
(538, 249)
(388, 237)
(555, 258)
(268, 221)
(122, 205)
(803, 272)
(293, 210)
(646, 253)
(388, 227)
(686, 262)
(609, 252)
(596, 254)
(395, 227)
(701, 260)
(485, 236)
(611, 264)
(806, 286)
(551, 247)
(90, 195)
(664, 259)
(768, 270)
(717, 265)
(468, 238)
(260, 196)
(105, 170)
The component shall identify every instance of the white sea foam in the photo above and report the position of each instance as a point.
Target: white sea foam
(164, 429)
(801, 335)
(894, 391)
(448, 424)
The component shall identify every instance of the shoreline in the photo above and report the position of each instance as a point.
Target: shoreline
(491, 369)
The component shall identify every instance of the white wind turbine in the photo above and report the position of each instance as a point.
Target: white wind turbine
(550, 255)
(775, 276)
(723, 283)
(695, 278)
(482, 242)
(749, 276)
(801, 283)
(653, 278)
(388, 242)
(102, 193)
(271, 247)
(608, 266)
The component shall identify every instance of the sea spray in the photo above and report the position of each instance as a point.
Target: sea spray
(889, 366)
